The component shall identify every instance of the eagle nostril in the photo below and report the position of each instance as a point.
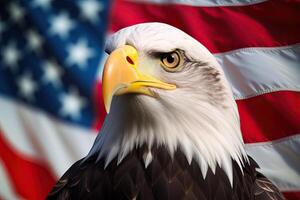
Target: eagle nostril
(129, 60)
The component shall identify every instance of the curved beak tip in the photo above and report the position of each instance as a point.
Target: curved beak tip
(107, 105)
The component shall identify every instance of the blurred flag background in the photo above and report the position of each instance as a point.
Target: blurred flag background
(51, 57)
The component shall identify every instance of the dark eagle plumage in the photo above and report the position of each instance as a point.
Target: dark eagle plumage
(164, 179)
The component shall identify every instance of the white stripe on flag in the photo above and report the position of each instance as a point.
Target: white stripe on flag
(210, 3)
(6, 188)
(255, 71)
(35, 134)
(279, 161)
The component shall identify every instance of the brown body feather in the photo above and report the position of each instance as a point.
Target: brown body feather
(165, 178)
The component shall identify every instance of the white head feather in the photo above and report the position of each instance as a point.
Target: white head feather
(200, 117)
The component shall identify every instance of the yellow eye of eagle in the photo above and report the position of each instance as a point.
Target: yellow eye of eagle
(170, 61)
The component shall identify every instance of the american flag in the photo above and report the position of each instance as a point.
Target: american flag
(51, 56)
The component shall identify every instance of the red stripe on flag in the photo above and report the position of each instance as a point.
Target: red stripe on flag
(270, 116)
(219, 28)
(292, 195)
(31, 180)
(100, 109)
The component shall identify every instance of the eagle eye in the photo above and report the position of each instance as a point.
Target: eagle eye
(170, 61)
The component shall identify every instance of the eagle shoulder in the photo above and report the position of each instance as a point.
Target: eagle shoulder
(83, 180)
(264, 189)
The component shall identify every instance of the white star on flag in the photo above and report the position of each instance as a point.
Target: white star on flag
(90, 9)
(61, 25)
(34, 40)
(11, 56)
(44, 4)
(79, 53)
(16, 12)
(52, 73)
(72, 104)
(27, 86)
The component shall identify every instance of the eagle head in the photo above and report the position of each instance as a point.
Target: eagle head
(162, 87)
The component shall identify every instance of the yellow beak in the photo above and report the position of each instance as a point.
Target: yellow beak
(121, 76)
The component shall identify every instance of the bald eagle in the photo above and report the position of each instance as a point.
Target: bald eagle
(172, 130)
